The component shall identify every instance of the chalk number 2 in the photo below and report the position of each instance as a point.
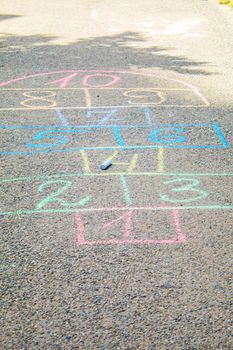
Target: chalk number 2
(53, 197)
(190, 185)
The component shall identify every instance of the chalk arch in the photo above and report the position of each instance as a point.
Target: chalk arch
(100, 78)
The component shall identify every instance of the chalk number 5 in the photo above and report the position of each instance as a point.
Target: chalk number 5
(190, 186)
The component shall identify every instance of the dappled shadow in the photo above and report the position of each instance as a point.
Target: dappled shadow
(10, 43)
(125, 50)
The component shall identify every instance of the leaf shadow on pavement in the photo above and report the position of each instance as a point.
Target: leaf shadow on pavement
(39, 53)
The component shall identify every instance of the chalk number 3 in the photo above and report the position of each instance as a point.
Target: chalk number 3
(191, 186)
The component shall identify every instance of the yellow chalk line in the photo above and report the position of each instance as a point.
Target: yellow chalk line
(86, 163)
(160, 158)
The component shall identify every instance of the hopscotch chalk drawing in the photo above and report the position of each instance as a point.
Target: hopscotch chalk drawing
(88, 112)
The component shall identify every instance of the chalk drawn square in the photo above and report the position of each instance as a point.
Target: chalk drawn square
(179, 190)
(178, 136)
(123, 97)
(123, 227)
(105, 116)
(60, 194)
(32, 139)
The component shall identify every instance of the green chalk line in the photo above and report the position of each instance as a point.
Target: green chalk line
(28, 178)
(72, 210)
(126, 190)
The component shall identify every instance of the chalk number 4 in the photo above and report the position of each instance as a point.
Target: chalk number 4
(190, 186)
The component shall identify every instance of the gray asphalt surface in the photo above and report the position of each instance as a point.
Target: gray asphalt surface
(138, 256)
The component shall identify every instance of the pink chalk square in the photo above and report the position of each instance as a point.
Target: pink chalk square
(134, 226)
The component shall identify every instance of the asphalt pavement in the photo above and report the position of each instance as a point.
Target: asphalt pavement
(137, 256)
